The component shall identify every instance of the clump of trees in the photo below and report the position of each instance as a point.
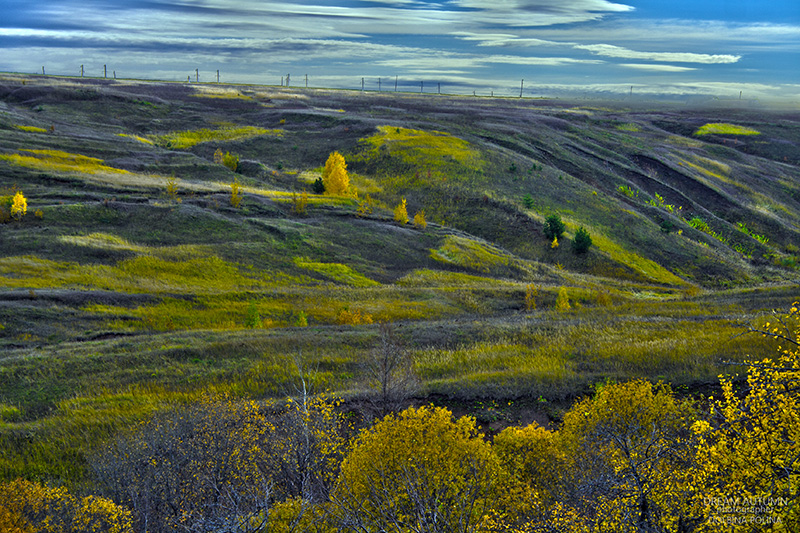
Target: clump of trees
(630, 458)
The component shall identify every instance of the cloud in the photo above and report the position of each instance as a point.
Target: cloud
(656, 68)
(609, 50)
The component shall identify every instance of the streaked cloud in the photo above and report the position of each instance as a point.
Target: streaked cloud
(466, 43)
(609, 50)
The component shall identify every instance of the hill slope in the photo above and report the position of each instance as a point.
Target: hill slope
(133, 277)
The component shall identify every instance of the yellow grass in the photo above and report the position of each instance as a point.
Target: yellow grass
(58, 161)
(725, 129)
(30, 129)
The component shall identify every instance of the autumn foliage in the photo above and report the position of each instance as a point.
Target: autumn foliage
(334, 176)
(632, 457)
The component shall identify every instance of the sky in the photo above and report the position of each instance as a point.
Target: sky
(589, 48)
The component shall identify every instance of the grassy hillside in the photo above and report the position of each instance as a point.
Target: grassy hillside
(133, 280)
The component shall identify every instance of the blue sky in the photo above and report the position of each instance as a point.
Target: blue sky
(580, 47)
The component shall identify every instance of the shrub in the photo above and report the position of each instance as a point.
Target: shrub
(5, 208)
(300, 203)
(172, 190)
(236, 193)
(334, 176)
(353, 318)
(553, 227)
(318, 186)
(531, 291)
(527, 201)
(582, 241)
(226, 159)
(419, 220)
(365, 206)
(562, 300)
(400, 212)
(253, 318)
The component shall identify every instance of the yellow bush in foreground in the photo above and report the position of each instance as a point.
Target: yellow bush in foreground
(27, 507)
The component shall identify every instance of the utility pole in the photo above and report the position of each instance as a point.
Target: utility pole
(395, 81)
(43, 71)
(217, 75)
(81, 71)
(631, 90)
(306, 81)
(287, 80)
(115, 74)
(105, 72)
(197, 75)
(362, 85)
(281, 81)
(521, 85)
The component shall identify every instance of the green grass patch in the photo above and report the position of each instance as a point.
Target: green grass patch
(432, 149)
(722, 128)
(471, 254)
(338, 272)
(634, 128)
(647, 268)
(180, 140)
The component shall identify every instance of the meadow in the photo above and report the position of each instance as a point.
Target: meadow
(135, 281)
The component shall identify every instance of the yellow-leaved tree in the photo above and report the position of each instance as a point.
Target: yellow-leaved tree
(419, 471)
(27, 507)
(334, 176)
(748, 455)
(401, 213)
(19, 206)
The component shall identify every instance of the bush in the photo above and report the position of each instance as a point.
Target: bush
(400, 212)
(227, 159)
(553, 227)
(236, 193)
(419, 220)
(318, 186)
(582, 241)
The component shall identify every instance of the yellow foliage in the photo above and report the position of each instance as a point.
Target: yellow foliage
(417, 465)
(531, 291)
(231, 161)
(562, 300)
(19, 206)
(554, 244)
(354, 318)
(751, 451)
(334, 176)
(300, 203)
(419, 220)
(27, 507)
(236, 193)
(400, 212)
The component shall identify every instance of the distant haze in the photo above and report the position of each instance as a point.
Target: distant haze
(593, 48)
